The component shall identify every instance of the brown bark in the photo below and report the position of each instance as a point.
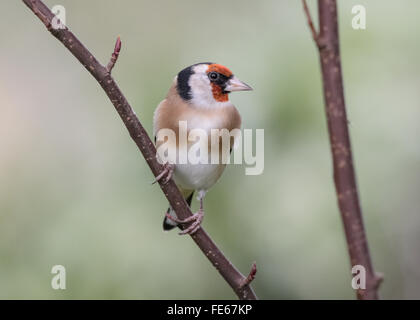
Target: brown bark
(327, 41)
(102, 74)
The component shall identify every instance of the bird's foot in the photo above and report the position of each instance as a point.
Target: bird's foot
(196, 220)
(168, 170)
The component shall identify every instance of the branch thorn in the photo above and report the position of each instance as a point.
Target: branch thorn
(310, 22)
(378, 279)
(250, 277)
(114, 56)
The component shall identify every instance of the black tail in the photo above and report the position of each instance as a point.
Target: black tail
(169, 224)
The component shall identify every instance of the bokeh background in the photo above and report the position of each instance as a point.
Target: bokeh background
(75, 191)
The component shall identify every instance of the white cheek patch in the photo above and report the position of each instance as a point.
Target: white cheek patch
(201, 94)
(201, 68)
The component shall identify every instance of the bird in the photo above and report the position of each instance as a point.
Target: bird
(198, 97)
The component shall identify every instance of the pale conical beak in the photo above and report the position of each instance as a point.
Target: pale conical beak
(235, 84)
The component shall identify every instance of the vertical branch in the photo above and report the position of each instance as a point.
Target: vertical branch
(327, 41)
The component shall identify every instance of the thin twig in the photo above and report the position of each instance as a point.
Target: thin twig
(251, 275)
(114, 56)
(137, 132)
(310, 22)
(344, 175)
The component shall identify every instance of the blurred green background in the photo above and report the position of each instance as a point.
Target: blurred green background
(75, 191)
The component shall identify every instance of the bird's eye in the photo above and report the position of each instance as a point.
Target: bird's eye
(213, 76)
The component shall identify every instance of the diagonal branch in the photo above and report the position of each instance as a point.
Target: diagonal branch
(344, 175)
(102, 74)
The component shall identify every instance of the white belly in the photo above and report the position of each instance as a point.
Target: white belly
(197, 176)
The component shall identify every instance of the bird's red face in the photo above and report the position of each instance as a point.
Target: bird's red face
(218, 74)
(208, 84)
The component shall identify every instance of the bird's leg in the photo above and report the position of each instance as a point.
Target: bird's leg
(196, 218)
(168, 170)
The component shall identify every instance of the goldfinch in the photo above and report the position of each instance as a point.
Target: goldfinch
(199, 98)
